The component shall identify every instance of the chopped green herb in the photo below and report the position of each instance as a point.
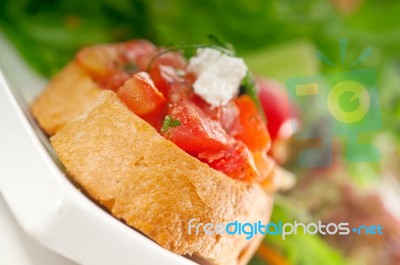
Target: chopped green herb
(130, 68)
(168, 123)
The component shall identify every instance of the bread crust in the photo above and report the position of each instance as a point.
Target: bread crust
(70, 94)
(154, 186)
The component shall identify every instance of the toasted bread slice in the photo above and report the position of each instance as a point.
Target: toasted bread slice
(155, 187)
(70, 94)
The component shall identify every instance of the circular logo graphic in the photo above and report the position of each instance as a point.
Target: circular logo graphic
(348, 101)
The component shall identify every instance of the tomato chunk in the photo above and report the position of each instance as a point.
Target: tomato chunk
(235, 161)
(143, 98)
(197, 131)
(112, 64)
(167, 69)
(203, 136)
(138, 52)
(252, 129)
(227, 115)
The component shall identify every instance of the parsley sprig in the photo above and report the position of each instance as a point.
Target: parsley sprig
(169, 122)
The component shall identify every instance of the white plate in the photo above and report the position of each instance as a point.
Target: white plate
(16, 248)
(46, 205)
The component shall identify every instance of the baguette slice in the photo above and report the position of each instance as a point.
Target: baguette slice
(155, 187)
(70, 94)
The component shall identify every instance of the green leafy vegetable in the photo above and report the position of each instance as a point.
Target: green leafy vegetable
(48, 33)
(169, 122)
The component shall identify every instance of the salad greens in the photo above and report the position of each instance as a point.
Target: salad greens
(49, 32)
(299, 249)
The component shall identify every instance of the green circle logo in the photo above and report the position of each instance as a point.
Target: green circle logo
(348, 101)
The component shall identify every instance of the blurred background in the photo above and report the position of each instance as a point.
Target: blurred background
(280, 40)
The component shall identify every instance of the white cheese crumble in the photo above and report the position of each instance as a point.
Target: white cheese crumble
(218, 75)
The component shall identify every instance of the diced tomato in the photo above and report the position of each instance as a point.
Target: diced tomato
(227, 115)
(112, 64)
(141, 96)
(203, 137)
(252, 129)
(139, 52)
(112, 82)
(197, 131)
(167, 69)
(235, 161)
(179, 91)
